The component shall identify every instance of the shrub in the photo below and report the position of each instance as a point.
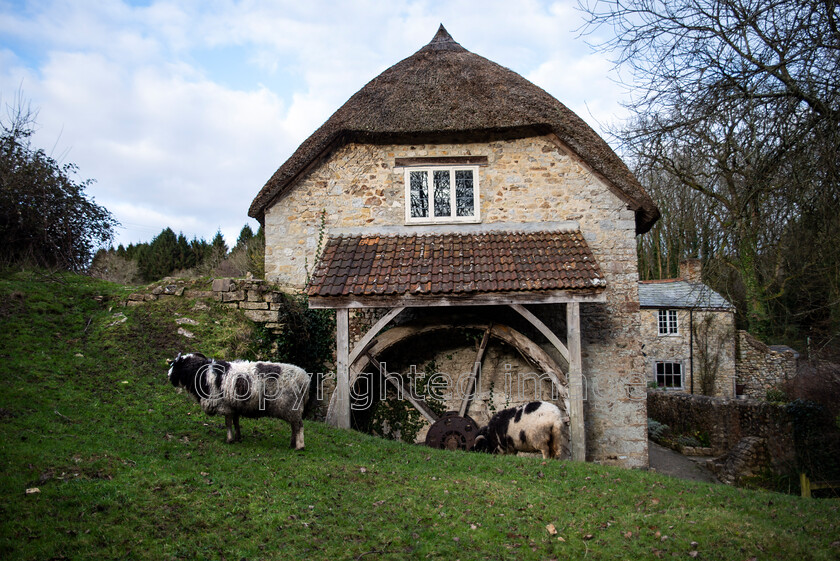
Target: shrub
(108, 265)
(817, 381)
(46, 220)
(816, 441)
(688, 440)
(703, 437)
(776, 395)
(657, 431)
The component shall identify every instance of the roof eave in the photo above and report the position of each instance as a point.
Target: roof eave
(460, 299)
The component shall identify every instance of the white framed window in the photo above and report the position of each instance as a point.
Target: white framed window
(441, 194)
(668, 374)
(668, 322)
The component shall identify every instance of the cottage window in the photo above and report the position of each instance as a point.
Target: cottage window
(668, 322)
(441, 194)
(669, 374)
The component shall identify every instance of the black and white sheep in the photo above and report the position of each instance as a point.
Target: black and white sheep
(244, 389)
(538, 426)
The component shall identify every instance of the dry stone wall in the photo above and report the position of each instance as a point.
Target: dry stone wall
(261, 302)
(760, 368)
(727, 422)
(747, 458)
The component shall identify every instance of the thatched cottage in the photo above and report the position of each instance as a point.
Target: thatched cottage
(475, 227)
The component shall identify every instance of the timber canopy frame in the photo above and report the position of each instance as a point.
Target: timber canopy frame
(339, 410)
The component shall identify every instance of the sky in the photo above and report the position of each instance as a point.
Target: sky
(180, 111)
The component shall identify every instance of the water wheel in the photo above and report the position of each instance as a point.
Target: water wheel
(452, 432)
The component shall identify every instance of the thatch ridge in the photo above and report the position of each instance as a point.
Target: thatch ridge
(444, 91)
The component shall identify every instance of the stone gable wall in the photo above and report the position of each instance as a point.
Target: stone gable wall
(677, 348)
(760, 368)
(529, 181)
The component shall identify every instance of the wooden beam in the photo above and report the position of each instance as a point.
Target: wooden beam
(542, 328)
(465, 403)
(364, 342)
(339, 415)
(529, 350)
(577, 428)
(441, 161)
(396, 381)
(464, 299)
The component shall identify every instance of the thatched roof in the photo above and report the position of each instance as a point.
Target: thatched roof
(445, 93)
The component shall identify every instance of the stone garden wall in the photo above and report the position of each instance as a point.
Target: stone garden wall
(728, 422)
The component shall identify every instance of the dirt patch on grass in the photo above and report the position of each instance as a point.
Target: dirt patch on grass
(91, 467)
(13, 303)
(156, 334)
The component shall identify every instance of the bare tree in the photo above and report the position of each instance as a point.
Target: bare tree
(710, 341)
(737, 101)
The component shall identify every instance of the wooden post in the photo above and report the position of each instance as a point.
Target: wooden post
(465, 402)
(341, 415)
(577, 430)
(805, 485)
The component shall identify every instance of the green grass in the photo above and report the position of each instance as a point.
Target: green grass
(129, 469)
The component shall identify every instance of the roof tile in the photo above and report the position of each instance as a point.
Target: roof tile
(454, 264)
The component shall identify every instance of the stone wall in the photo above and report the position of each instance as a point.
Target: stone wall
(760, 368)
(746, 459)
(720, 341)
(258, 300)
(528, 180)
(727, 422)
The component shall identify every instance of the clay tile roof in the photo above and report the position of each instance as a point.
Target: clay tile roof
(450, 263)
(443, 91)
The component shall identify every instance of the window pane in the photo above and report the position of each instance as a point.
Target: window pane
(669, 374)
(464, 199)
(442, 207)
(419, 190)
(668, 322)
(672, 321)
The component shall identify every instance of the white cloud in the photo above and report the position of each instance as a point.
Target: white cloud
(133, 96)
(586, 85)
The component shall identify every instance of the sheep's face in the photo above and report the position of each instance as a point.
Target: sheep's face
(183, 368)
(482, 442)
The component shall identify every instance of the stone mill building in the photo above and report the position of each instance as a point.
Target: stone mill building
(460, 219)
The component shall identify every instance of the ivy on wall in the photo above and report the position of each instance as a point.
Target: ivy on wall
(306, 340)
(397, 419)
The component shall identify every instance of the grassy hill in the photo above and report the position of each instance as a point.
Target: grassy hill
(128, 468)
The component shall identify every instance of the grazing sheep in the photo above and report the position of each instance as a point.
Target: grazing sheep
(244, 389)
(536, 427)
